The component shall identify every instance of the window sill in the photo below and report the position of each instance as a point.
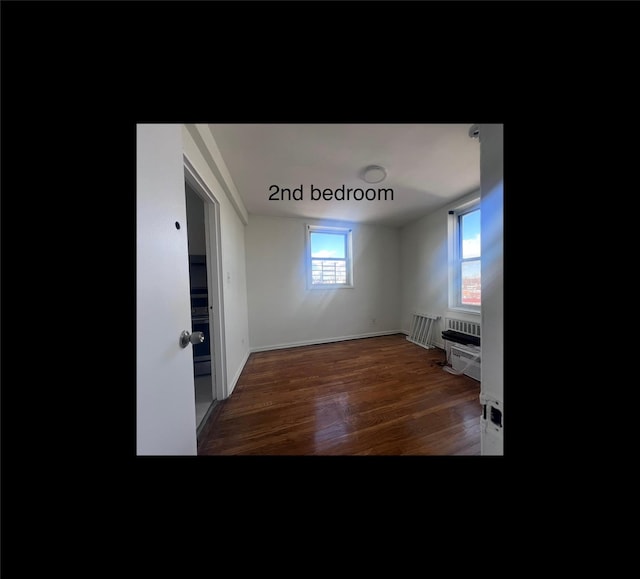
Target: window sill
(329, 287)
(465, 311)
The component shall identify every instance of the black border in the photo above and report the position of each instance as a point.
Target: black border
(77, 116)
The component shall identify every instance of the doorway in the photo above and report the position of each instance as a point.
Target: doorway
(207, 310)
(203, 361)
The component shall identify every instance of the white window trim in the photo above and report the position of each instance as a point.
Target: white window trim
(348, 257)
(454, 254)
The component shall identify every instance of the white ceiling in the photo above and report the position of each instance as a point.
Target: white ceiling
(428, 166)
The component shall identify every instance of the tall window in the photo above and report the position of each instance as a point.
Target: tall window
(329, 257)
(466, 278)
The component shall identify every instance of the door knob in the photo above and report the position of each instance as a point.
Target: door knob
(186, 338)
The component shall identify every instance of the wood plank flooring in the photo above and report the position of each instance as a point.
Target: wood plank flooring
(373, 396)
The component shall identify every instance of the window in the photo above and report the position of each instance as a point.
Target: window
(465, 286)
(329, 257)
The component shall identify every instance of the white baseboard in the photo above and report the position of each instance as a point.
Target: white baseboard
(325, 341)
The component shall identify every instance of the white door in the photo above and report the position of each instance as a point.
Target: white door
(165, 418)
(492, 225)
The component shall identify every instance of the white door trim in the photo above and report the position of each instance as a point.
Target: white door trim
(206, 143)
(214, 273)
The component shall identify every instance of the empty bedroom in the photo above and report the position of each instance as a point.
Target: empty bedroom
(363, 246)
(353, 290)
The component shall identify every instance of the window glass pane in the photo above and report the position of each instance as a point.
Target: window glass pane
(470, 226)
(470, 271)
(328, 271)
(328, 245)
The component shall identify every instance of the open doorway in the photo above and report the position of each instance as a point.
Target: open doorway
(207, 307)
(203, 361)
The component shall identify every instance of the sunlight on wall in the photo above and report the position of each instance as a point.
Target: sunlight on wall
(492, 232)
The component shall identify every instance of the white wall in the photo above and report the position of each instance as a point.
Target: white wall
(283, 312)
(424, 270)
(234, 285)
(492, 225)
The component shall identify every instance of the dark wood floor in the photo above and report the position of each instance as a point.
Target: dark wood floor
(376, 396)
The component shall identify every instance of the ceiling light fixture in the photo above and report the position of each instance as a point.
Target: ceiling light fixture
(373, 174)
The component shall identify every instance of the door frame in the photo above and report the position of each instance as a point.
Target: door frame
(214, 275)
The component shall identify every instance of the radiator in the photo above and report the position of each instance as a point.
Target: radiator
(471, 328)
(462, 326)
(422, 329)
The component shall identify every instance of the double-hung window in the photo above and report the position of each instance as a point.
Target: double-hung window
(329, 263)
(465, 264)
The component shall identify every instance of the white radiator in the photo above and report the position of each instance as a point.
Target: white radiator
(422, 329)
(454, 356)
(462, 326)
